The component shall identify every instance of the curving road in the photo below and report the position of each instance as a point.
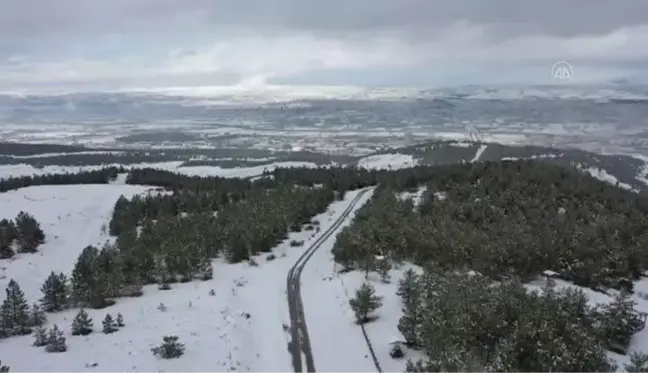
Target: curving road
(300, 342)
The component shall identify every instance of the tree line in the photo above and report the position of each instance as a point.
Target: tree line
(101, 176)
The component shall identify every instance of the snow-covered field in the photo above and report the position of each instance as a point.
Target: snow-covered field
(27, 170)
(217, 335)
(72, 217)
(387, 161)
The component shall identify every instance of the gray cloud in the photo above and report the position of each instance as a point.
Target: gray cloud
(417, 18)
(215, 41)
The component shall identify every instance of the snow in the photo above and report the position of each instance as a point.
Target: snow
(535, 156)
(416, 197)
(7, 171)
(387, 161)
(602, 175)
(384, 329)
(336, 341)
(72, 217)
(479, 153)
(461, 144)
(216, 335)
(642, 173)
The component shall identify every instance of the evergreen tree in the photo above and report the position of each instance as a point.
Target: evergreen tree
(40, 337)
(638, 363)
(170, 348)
(37, 316)
(407, 285)
(82, 324)
(412, 319)
(15, 311)
(7, 237)
(30, 235)
(55, 340)
(383, 267)
(365, 302)
(89, 284)
(109, 325)
(617, 320)
(55, 293)
(120, 320)
(415, 367)
(109, 266)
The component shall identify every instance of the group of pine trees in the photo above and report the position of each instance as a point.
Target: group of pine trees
(178, 247)
(24, 231)
(464, 323)
(506, 222)
(101, 176)
(505, 219)
(18, 318)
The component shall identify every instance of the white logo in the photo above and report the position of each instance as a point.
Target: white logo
(562, 71)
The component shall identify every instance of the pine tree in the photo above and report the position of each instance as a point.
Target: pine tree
(7, 236)
(37, 316)
(30, 235)
(108, 264)
(120, 320)
(40, 337)
(89, 283)
(15, 311)
(415, 367)
(82, 324)
(411, 320)
(638, 363)
(3, 368)
(170, 348)
(109, 325)
(616, 320)
(55, 293)
(365, 302)
(55, 340)
(384, 266)
(407, 285)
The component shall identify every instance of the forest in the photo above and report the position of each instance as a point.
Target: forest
(505, 222)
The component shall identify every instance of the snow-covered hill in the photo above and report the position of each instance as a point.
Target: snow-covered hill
(214, 326)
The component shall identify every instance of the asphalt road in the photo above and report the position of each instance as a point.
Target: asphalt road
(300, 342)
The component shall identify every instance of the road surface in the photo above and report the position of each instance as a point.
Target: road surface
(300, 342)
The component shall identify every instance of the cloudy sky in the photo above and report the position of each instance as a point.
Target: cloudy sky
(109, 44)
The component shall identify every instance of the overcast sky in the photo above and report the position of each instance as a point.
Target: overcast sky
(107, 44)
